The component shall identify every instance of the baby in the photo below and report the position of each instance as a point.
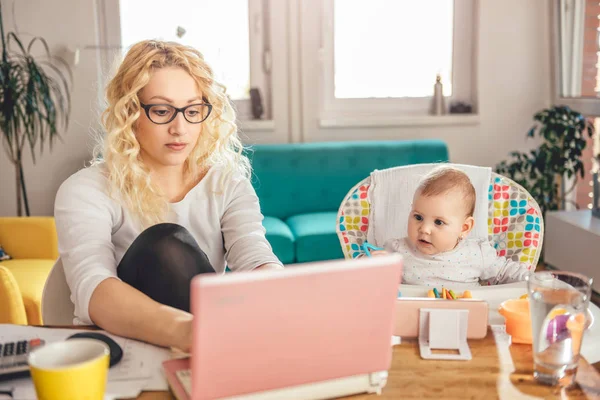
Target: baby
(436, 251)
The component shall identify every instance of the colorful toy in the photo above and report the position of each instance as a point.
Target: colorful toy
(560, 326)
(4, 255)
(557, 325)
(367, 247)
(448, 294)
(563, 325)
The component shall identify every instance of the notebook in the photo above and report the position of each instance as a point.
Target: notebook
(312, 331)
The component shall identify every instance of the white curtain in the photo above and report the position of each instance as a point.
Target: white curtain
(572, 14)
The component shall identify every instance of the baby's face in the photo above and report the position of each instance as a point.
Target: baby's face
(436, 222)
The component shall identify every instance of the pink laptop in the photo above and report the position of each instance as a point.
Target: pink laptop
(312, 331)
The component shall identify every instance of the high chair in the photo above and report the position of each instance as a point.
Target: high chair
(515, 223)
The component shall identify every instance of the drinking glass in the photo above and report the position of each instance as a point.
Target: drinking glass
(558, 302)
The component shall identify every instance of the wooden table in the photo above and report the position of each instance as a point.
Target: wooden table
(497, 371)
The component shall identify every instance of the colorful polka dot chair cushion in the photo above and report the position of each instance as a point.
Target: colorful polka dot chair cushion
(353, 219)
(515, 224)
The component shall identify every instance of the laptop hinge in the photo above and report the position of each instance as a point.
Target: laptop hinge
(378, 380)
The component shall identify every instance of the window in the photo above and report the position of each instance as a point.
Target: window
(230, 34)
(383, 58)
(584, 192)
(344, 61)
(382, 69)
(576, 26)
(194, 23)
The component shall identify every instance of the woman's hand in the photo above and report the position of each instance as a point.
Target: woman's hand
(125, 311)
(184, 334)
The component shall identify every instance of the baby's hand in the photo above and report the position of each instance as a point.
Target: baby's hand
(376, 253)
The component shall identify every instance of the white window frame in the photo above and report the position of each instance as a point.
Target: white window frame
(588, 106)
(109, 46)
(561, 51)
(369, 110)
(260, 59)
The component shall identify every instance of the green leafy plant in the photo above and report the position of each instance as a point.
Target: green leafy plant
(34, 102)
(542, 170)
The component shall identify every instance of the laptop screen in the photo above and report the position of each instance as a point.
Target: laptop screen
(263, 330)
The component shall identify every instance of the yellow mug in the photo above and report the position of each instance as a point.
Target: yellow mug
(74, 369)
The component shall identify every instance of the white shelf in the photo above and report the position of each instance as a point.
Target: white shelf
(572, 242)
(581, 219)
(413, 120)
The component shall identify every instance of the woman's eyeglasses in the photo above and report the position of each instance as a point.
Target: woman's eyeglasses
(164, 113)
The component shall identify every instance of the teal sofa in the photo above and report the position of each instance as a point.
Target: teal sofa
(300, 187)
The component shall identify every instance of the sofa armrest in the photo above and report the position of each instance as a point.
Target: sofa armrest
(12, 309)
(29, 237)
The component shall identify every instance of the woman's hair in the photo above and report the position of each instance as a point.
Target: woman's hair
(218, 144)
(444, 179)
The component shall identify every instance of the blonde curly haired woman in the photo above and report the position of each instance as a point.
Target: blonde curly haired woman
(169, 198)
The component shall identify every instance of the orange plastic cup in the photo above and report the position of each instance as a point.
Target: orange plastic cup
(518, 321)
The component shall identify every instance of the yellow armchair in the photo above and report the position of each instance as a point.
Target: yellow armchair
(33, 245)
(12, 309)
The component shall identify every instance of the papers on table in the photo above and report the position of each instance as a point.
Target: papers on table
(139, 369)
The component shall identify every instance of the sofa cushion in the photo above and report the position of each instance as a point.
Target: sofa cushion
(31, 275)
(299, 178)
(29, 237)
(315, 236)
(281, 239)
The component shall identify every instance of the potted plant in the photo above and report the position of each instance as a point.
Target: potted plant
(34, 102)
(542, 171)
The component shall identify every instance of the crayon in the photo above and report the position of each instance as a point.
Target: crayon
(452, 294)
(436, 293)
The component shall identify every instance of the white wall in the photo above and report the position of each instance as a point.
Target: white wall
(61, 23)
(513, 79)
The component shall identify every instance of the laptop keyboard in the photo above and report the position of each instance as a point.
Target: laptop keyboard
(185, 378)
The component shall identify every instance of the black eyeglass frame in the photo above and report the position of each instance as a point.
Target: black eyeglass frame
(181, 110)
